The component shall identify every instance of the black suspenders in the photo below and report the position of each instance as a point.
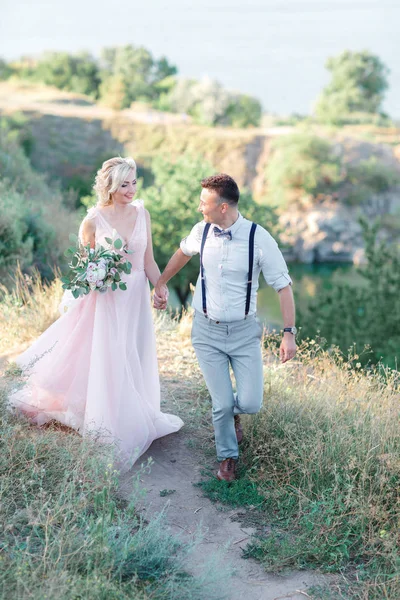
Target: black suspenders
(203, 285)
(251, 260)
(249, 275)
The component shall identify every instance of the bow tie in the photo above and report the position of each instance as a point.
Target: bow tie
(222, 233)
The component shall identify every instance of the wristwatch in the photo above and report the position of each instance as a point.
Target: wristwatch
(290, 330)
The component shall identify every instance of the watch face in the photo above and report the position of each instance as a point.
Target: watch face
(294, 330)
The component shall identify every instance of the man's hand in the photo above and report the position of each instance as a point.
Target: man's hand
(160, 297)
(287, 348)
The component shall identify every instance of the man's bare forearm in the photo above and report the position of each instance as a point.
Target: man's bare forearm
(175, 264)
(287, 306)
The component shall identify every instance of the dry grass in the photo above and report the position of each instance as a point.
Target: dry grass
(324, 451)
(64, 530)
(27, 310)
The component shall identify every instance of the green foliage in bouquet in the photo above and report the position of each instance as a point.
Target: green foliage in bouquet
(95, 269)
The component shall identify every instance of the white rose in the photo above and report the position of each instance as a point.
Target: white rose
(101, 273)
(91, 276)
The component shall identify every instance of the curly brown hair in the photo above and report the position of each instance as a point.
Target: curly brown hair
(224, 185)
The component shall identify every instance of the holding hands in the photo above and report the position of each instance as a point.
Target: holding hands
(160, 297)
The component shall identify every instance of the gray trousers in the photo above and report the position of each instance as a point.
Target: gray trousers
(219, 345)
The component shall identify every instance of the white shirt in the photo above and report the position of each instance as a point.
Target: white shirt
(226, 265)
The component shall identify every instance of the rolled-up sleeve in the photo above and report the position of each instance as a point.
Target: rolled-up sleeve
(190, 245)
(271, 261)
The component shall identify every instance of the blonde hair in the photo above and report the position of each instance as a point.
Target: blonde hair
(108, 179)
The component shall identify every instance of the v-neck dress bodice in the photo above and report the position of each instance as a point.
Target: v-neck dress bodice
(137, 241)
(95, 369)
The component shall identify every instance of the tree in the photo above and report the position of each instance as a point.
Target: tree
(359, 80)
(113, 92)
(244, 111)
(368, 313)
(302, 165)
(209, 103)
(206, 100)
(5, 70)
(135, 70)
(173, 200)
(77, 73)
(34, 222)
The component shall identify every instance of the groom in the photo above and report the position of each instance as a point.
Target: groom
(226, 330)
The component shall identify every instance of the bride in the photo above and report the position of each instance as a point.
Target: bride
(95, 369)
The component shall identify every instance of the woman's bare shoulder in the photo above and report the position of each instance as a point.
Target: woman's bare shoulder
(88, 224)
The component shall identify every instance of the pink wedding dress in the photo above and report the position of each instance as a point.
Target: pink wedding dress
(95, 369)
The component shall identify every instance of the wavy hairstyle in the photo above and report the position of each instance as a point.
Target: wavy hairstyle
(108, 179)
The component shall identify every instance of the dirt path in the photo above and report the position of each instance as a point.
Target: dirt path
(169, 484)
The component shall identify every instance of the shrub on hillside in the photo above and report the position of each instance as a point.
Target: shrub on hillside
(34, 223)
(306, 168)
(130, 73)
(301, 166)
(77, 73)
(369, 313)
(369, 177)
(5, 70)
(173, 201)
(359, 80)
(209, 103)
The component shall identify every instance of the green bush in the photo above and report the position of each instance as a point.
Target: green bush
(173, 200)
(34, 223)
(130, 73)
(369, 177)
(77, 73)
(210, 104)
(244, 111)
(369, 313)
(359, 80)
(302, 166)
(306, 167)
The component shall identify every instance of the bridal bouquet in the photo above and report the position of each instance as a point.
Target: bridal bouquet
(95, 269)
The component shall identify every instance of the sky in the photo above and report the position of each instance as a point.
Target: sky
(274, 50)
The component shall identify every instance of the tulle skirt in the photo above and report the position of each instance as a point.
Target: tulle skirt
(95, 369)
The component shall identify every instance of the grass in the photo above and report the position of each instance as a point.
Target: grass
(324, 455)
(27, 310)
(319, 475)
(65, 532)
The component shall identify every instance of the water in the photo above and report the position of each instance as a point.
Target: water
(308, 281)
(272, 49)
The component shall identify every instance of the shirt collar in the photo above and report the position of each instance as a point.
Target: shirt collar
(233, 228)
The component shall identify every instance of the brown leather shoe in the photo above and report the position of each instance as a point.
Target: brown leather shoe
(238, 429)
(227, 469)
